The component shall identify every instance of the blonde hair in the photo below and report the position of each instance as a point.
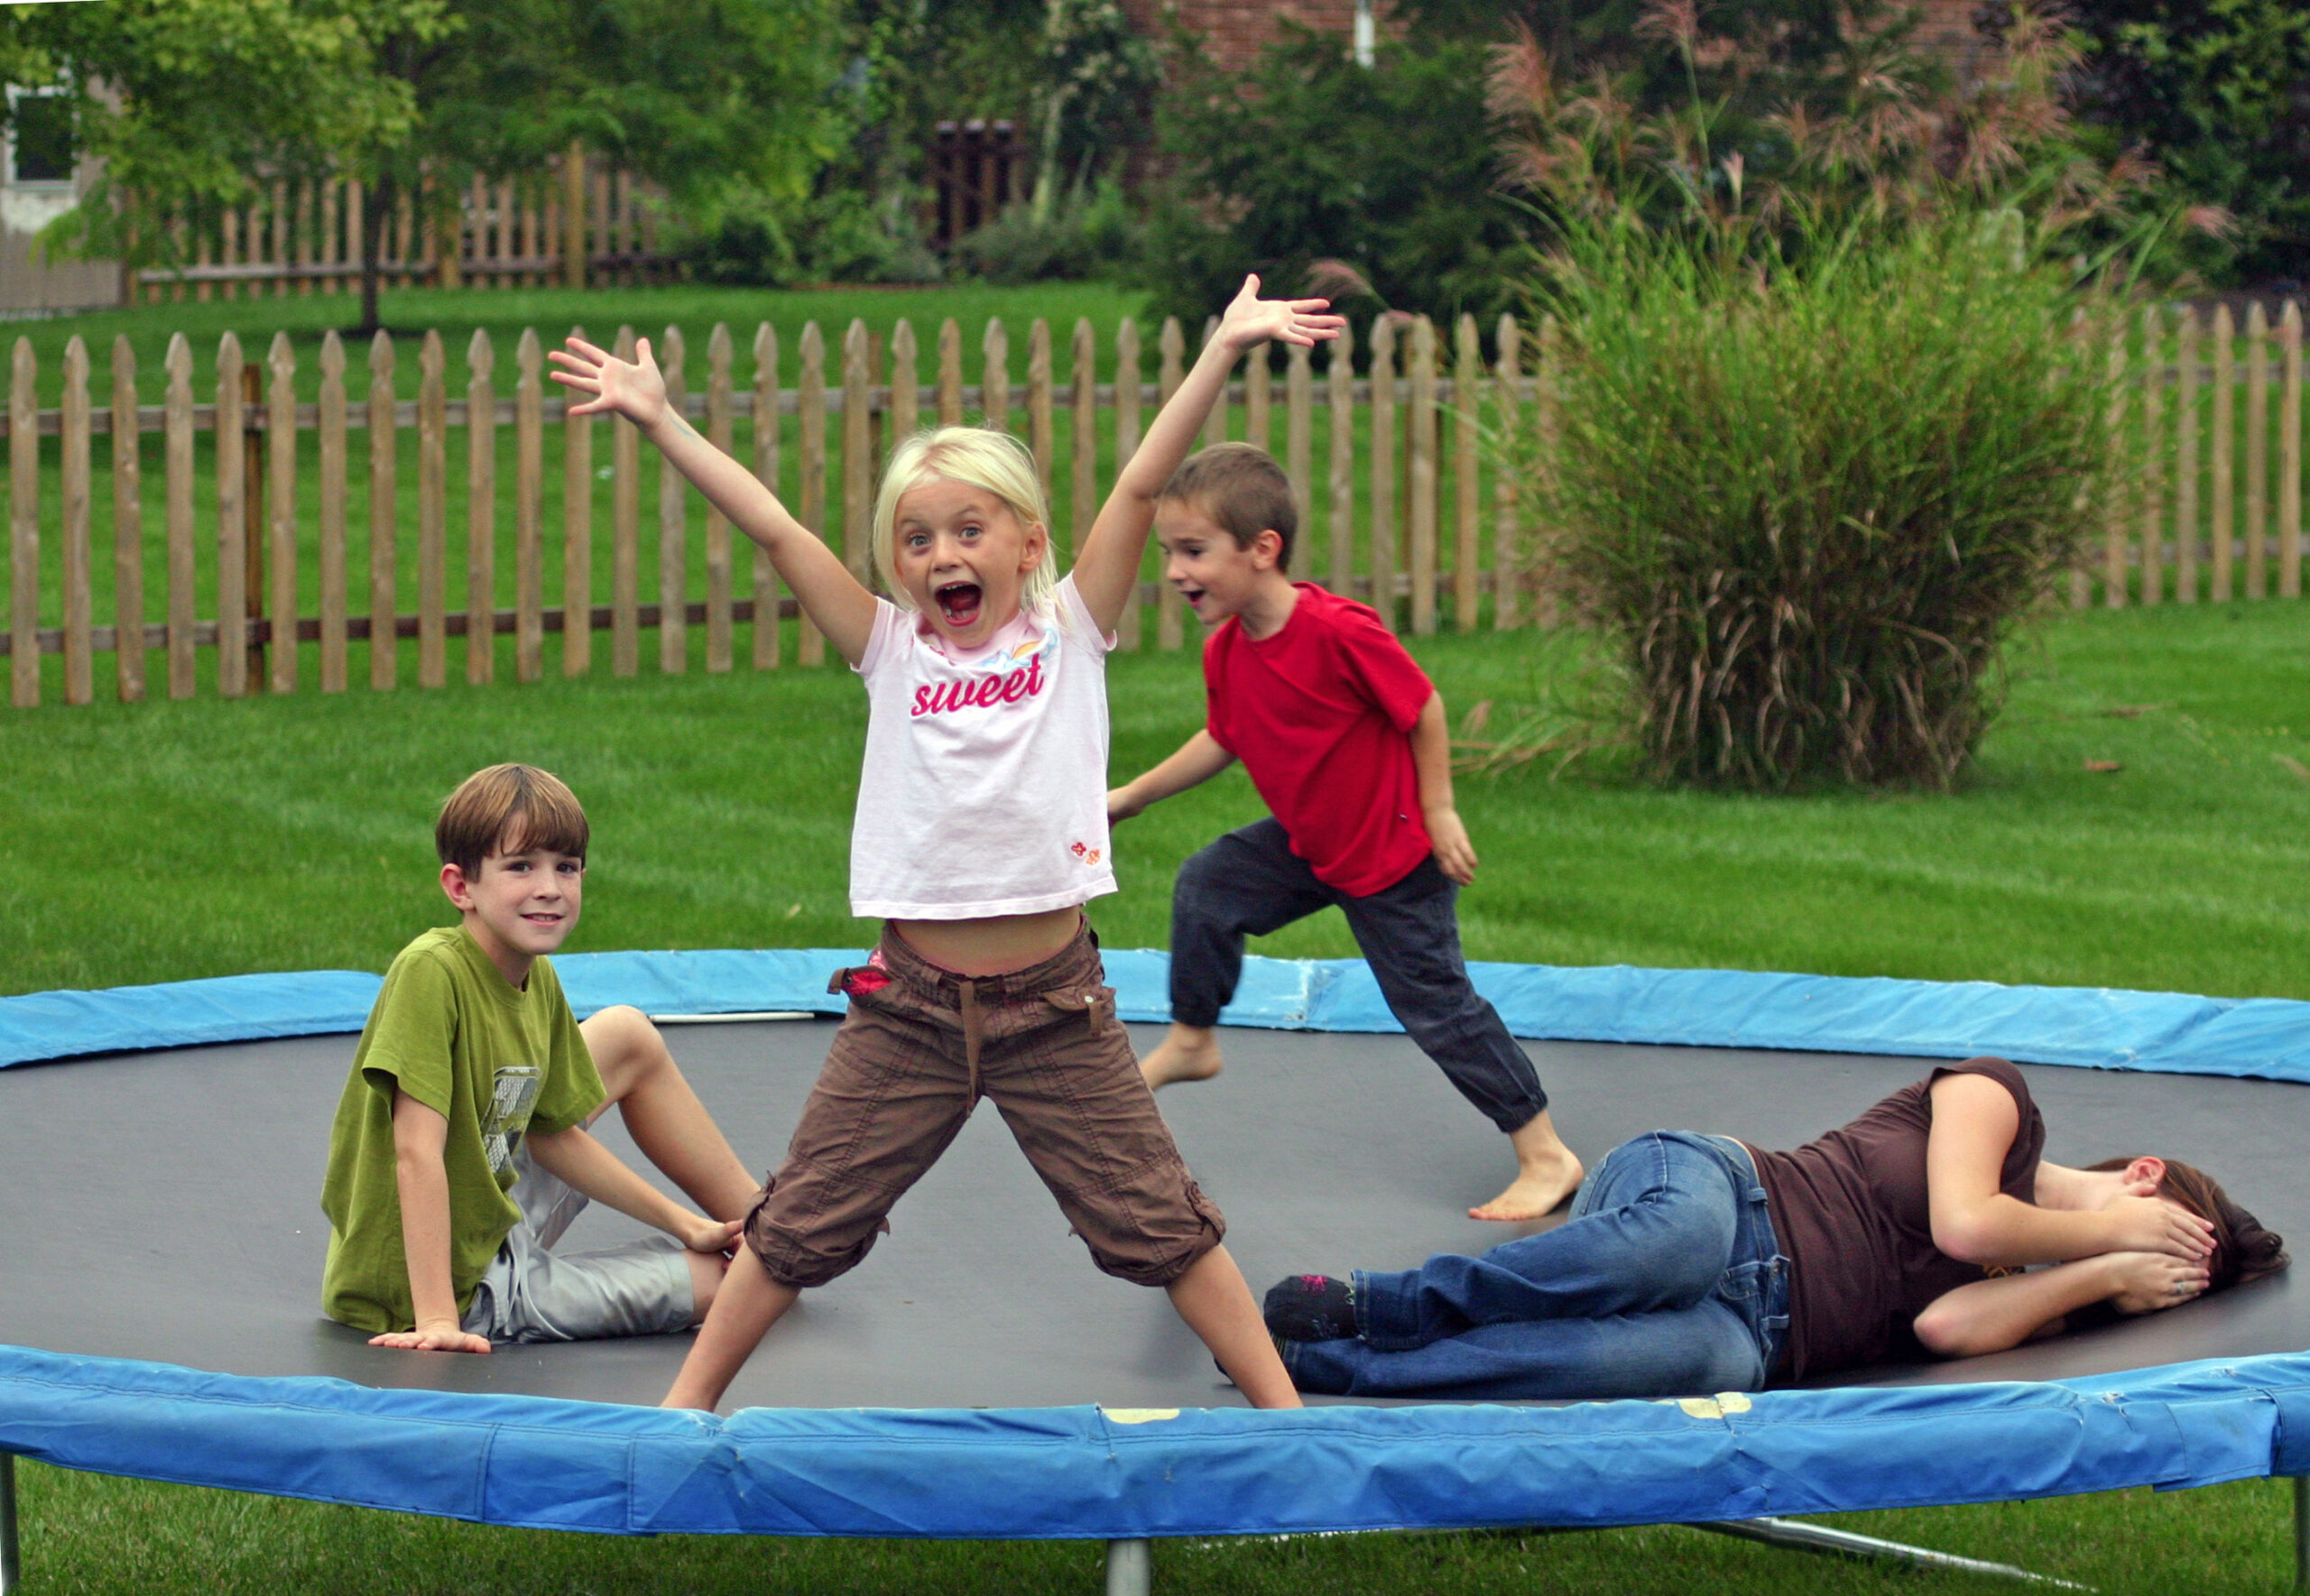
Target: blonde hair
(981, 458)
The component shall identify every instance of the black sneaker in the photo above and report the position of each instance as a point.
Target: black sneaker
(1310, 1307)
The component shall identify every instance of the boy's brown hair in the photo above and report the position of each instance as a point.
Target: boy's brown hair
(508, 809)
(1239, 486)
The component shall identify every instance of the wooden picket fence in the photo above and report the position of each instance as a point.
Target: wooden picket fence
(1417, 512)
(571, 224)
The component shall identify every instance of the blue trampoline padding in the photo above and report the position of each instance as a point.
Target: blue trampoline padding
(2094, 1026)
(1087, 1474)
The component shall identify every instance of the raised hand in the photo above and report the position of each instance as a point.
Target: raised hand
(1250, 321)
(630, 388)
(2146, 1282)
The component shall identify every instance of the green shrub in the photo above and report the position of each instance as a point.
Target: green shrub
(842, 235)
(1307, 158)
(1810, 502)
(1091, 236)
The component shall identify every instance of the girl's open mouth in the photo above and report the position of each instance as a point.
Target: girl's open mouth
(958, 603)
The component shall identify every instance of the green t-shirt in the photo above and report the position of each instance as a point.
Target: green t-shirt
(497, 1062)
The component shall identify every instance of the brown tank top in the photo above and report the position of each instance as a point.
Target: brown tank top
(1850, 1213)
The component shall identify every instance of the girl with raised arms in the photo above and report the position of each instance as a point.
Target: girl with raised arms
(981, 832)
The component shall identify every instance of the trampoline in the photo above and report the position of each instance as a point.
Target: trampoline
(161, 1234)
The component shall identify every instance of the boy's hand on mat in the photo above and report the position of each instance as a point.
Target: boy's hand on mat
(442, 1337)
(1456, 855)
(2152, 1224)
(711, 1235)
(1250, 321)
(2145, 1282)
(631, 388)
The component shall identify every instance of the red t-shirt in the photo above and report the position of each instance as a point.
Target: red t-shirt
(1321, 715)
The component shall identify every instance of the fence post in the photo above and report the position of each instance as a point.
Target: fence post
(1173, 344)
(177, 426)
(625, 534)
(332, 511)
(857, 454)
(127, 526)
(2186, 465)
(1082, 436)
(384, 520)
(673, 523)
(719, 351)
(1299, 436)
(80, 607)
(2153, 497)
(810, 395)
(576, 536)
(994, 385)
(1214, 424)
(1384, 469)
(906, 382)
(2289, 457)
(767, 423)
(1127, 635)
(481, 509)
(23, 526)
(529, 489)
(1423, 477)
(1041, 432)
(573, 222)
(1339, 384)
(2258, 451)
(232, 524)
(2224, 529)
(432, 512)
(280, 519)
(1508, 410)
(1259, 400)
(950, 374)
(1467, 377)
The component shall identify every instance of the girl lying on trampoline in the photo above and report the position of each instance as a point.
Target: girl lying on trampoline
(1694, 1264)
(981, 831)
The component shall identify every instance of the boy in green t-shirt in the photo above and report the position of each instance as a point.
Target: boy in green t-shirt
(461, 1153)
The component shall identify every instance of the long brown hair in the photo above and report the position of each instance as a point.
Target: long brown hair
(2243, 1251)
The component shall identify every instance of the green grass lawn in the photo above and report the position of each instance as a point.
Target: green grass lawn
(160, 841)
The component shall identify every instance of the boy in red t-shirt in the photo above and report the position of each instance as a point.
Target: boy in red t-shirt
(1345, 738)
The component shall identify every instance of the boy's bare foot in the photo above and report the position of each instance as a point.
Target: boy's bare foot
(1546, 1174)
(1190, 1053)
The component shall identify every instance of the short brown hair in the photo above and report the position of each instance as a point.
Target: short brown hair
(508, 809)
(1239, 486)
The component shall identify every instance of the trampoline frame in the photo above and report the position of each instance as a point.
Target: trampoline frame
(2161, 1031)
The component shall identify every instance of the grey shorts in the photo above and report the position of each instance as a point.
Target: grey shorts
(530, 1292)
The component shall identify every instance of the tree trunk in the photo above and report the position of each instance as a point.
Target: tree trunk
(376, 207)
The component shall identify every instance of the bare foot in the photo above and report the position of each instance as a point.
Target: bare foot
(1546, 1174)
(1190, 1053)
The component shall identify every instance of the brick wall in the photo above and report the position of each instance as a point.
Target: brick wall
(1236, 33)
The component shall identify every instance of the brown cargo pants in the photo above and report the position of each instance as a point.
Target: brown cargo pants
(918, 1049)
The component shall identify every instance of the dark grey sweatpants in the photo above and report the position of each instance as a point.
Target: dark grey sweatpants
(1250, 883)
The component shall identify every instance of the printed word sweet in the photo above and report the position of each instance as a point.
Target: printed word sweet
(945, 697)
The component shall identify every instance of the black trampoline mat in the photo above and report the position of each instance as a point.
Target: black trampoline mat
(166, 1206)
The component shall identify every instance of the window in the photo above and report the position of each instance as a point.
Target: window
(39, 138)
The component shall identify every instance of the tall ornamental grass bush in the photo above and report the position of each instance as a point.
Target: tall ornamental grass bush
(1811, 502)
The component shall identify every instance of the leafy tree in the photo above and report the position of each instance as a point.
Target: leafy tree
(2218, 92)
(190, 102)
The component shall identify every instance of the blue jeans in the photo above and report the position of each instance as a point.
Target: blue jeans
(1666, 1281)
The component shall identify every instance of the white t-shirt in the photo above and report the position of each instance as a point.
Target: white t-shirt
(984, 788)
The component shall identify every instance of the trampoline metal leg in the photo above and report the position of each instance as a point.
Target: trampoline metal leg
(1815, 1538)
(2301, 1532)
(12, 1576)
(1130, 1568)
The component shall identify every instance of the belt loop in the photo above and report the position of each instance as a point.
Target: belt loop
(972, 1018)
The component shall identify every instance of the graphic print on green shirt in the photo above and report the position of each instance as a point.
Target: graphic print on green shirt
(498, 1062)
